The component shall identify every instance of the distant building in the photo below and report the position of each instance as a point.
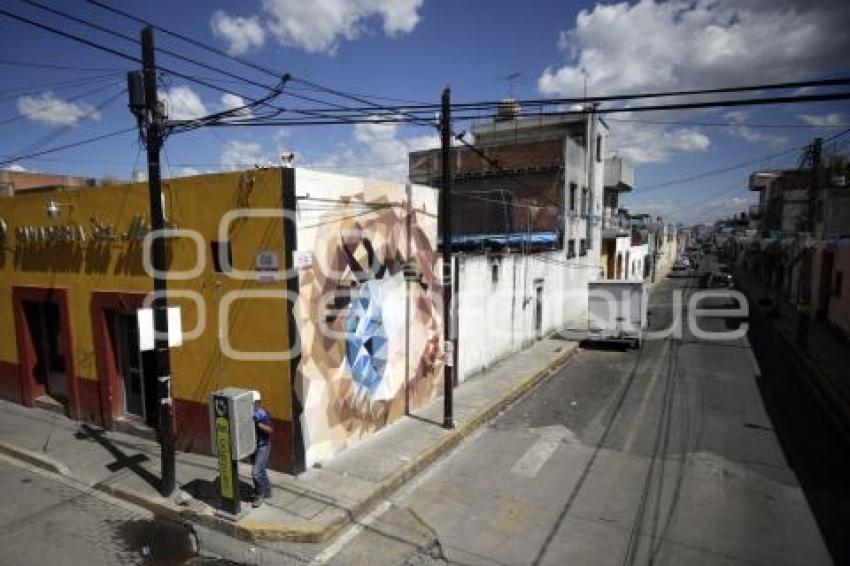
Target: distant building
(616, 232)
(526, 219)
(804, 233)
(12, 182)
(783, 199)
(541, 175)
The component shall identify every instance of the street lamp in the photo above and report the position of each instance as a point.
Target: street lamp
(53, 208)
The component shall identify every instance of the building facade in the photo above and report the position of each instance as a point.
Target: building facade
(12, 181)
(288, 281)
(527, 216)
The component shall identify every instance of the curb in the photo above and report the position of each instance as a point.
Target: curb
(250, 530)
(42, 461)
(276, 533)
(836, 406)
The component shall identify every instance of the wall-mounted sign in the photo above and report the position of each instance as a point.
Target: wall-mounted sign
(267, 266)
(50, 234)
(98, 230)
(302, 259)
(146, 333)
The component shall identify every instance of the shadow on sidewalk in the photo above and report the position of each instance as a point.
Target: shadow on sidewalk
(122, 459)
(207, 491)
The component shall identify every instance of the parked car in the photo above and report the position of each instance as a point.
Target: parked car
(721, 280)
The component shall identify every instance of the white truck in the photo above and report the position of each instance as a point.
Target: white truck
(617, 311)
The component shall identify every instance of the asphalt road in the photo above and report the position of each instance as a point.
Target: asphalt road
(812, 442)
(663, 455)
(48, 520)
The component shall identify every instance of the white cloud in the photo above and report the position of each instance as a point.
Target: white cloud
(17, 167)
(241, 34)
(232, 102)
(717, 208)
(319, 26)
(379, 151)
(183, 103)
(652, 143)
(46, 108)
(188, 172)
(737, 127)
(242, 155)
(652, 46)
(833, 119)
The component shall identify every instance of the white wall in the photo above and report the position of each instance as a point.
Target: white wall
(638, 256)
(497, 318)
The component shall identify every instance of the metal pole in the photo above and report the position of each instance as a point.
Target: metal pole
(446, 236)
(805, 286)
(162, 361)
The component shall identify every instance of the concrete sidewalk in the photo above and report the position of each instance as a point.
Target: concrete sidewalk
(311, 507)
(825, 360)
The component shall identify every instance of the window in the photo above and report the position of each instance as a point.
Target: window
(584, 203)
(571, 249)
(573, 189)
(494, 273)
(582, 247)
(218, 250)
(839, 280)
(598, 148)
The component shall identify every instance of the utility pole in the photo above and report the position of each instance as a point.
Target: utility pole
(804, 308)
(446, 236)
(150, 116)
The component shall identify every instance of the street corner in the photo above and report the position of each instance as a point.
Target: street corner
(253, 529)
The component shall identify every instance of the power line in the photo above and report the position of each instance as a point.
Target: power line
(68, 146)
(186, 38)
(724, 124)
(125, 37)
(65, 129)
(327, 119)
(321, 113)
(740, 165)
(34, 64)
(486, 105)
(117, 53)
(112, 51)
(49, 105)
(135, 41)
(53, 85)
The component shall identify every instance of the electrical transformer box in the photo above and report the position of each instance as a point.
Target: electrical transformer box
(232, 427)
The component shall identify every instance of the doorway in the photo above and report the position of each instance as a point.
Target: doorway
(136, 382)
(49, 366)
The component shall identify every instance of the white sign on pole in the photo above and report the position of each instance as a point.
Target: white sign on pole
(302, 259)
(146, 333)
(267, 266)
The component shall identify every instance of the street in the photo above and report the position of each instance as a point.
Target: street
(663, 455)
(46, 519)
(659, 456)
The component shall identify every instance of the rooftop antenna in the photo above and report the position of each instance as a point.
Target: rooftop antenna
(511, 79)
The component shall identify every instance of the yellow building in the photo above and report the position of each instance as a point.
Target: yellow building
(73, 277)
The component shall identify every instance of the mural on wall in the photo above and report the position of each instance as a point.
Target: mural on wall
(370, 337)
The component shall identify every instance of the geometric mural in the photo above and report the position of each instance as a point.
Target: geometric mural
(370, 338)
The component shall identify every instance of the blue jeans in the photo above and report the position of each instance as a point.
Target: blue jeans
(262, 485)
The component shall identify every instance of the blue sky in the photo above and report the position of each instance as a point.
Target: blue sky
(410, 49)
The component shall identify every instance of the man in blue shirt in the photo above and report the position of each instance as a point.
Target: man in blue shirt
(263, 424)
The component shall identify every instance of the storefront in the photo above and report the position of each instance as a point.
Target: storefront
(274, 280)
